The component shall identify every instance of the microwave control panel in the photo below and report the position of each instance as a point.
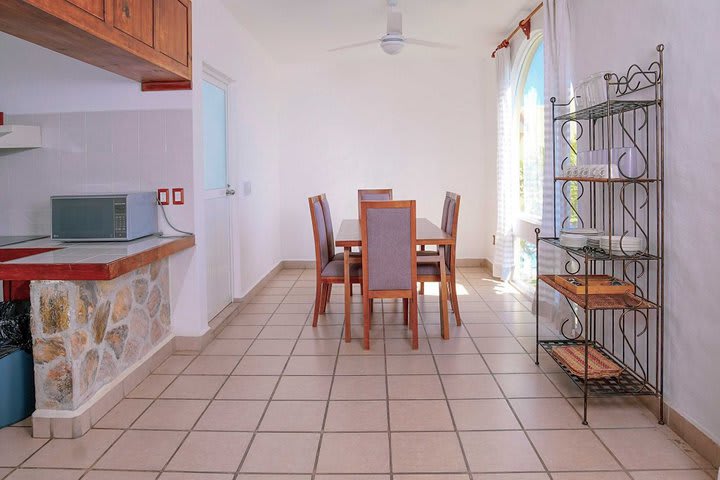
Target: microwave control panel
(120, 208)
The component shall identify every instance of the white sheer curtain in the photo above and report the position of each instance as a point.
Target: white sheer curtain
(507, 170)
(558, 72)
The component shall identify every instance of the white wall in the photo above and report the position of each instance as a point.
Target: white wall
(422, 122)
(611, 35)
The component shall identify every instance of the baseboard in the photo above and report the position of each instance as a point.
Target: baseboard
(292, 264)
(685, 429)
(185, 344)
(75, 423)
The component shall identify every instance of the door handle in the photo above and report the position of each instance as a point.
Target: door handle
(229, 191)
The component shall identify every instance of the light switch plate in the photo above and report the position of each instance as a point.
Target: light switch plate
(247, 188)
(178, 196)
(163, 196)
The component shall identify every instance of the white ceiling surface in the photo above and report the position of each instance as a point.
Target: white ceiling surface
(296, 30)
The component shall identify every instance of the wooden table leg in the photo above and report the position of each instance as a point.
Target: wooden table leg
(348, 289)
(444, 323)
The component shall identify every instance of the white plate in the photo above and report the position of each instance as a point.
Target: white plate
(580, 231)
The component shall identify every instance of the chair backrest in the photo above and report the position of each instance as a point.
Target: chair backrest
(449, 224)
(328, 225)
(389, 246)
(383, 194)
(322, 254)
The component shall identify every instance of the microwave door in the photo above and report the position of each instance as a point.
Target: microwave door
(84, 219)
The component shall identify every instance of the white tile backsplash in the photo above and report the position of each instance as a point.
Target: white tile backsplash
(94, 152)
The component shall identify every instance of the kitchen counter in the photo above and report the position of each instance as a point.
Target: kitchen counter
(47, 259)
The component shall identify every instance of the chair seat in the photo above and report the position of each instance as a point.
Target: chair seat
(336, 269)
(427, 253)
(430, 269)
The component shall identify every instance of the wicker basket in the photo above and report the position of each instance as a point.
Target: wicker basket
(599, 365)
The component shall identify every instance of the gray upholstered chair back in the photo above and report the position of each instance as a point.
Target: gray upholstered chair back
(322, 254)
(328, 225)
(377, 194)
(450, 212)
(390, 244)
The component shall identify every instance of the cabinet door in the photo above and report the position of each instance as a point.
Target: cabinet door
(134, 17)
(172, 29)
(94, 7)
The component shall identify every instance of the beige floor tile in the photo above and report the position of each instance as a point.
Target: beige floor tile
(572, 450)
(281, 332)
(4, 472)
(232, 415)
(360, 365)
(248, 387)
(194, 387)
(193, 476)
(415, 387)
(511, 363)
(299, 298)
(269, 299)
(317, 347)
(43, 474)
(616, 412)
(565, 385)
(488, 330)
(671, 475)
(420, 416)
(456, 331)
(524, 385)
(288, 319)
(259, 308)
(410, 365)
(321, 332)
(261, 365)
(76, 453)
(500, 452)
(469, 318)
(119, 475)
(227, 346)
(354, 453)
(294, 308)
(498, 345)
(171, 415)
(212, 365)
(356, 416)
(426, 452)
(141, 450)
(271, 347)
(511, 476)
(359, 388)
(445, 476)
(545, 413)
(250, 319)
(174, 365)
(275, 291)
(211, 452)
(303, 388)
(294, 416)
(453, 346)
(298, 453)
(310, 365)
(244, 476)
(348, 477)
(645, 449)
(355, 347)
(124, 413)
(402, 331)
(470, 386)
(240, 331)
(403, 346)
(593, 476)
(152, 386)
(461, 364)
(486, 414)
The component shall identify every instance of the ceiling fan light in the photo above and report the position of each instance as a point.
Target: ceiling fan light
(392, 46)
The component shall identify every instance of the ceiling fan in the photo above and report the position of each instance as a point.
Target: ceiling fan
(394, 40)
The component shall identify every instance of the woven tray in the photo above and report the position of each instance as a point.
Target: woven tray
(599, 365)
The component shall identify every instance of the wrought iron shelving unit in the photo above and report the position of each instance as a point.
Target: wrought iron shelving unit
(626, 328)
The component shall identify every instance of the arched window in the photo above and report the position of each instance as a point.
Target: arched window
(529, 104)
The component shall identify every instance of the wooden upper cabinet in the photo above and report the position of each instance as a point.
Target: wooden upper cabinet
(134, 17)
(149, 41)
(172, 37)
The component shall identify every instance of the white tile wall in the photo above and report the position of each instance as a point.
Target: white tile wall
(94, 152)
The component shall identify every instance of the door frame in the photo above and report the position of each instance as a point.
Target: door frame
(224, 82)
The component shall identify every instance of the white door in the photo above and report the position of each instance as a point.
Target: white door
(218, 194)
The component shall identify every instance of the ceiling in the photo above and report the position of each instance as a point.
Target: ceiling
(291, 30)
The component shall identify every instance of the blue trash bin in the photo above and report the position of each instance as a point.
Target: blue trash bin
(17, 387)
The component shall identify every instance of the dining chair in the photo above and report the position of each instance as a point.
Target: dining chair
(329, 269)
(389, 261)
(383, 194)
(430, 271)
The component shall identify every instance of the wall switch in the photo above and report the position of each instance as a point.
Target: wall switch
(163, 196)
(247, 188)
(178, 196)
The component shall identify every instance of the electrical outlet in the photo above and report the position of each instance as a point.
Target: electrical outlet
(178, 196)
(163, 196)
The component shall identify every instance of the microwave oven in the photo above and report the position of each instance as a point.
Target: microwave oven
(112, 217)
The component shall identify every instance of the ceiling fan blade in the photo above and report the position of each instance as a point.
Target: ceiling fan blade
(425, 43)
(354, 45)
(394, 20)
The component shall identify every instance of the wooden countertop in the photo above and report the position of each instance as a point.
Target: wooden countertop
(47, 259)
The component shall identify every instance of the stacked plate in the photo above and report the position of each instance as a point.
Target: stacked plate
(619, 245)
(579, 237)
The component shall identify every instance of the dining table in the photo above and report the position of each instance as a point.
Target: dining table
(427, 234)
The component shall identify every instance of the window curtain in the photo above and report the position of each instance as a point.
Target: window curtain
(507, 170)
(558, 72)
